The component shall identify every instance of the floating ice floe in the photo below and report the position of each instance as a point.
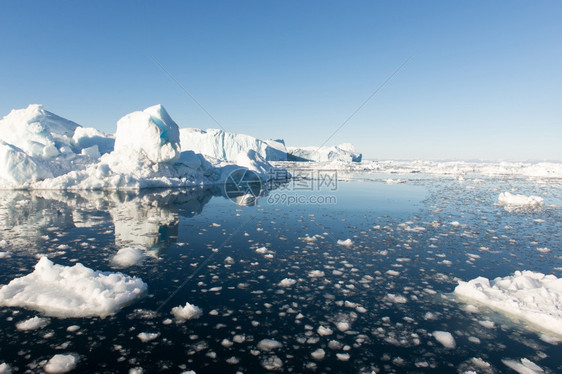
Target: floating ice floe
(5, 368)
(189, 311)
(342, 153)
(523, 366)
(71, 291)
(33, 323)
(445, 338)
(61, 363)
(533, 297)
(514, 202)
(345, 243)
(128, 256)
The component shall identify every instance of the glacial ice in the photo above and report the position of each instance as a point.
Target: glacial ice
(39, 150)
(71, 291)
(342, 153)
(227, 146)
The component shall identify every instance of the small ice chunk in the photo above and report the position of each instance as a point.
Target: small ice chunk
(5, 368)
(73, 328)
(145, 337)
(343, 356)
(524, 366)
(261, 250)
(345, 243)
(318, 354)
(514, 202)
(266, 345)
(128, 256)
(61, 363)
(32, 324)
(287, 282)
(396, 299)
(189, 311)
(445, 338)
(316, 274)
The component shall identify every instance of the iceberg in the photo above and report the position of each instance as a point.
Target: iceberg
(341, 153)
(527, 295)
(40, 150)
(228, 146)
(71, 291)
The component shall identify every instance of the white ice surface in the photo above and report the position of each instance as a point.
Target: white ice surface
(533, 297)
(33, 323)
(186, 312)
(61, 363)
(342, 153)
(5, 368)
(71, 291)
(523, 366)
(227, 146)
(516, 202)
(445, 338)
(128, 256)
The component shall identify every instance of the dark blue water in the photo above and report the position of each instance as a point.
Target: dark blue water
(201, 249)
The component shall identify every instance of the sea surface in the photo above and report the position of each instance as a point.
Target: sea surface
(370, 304)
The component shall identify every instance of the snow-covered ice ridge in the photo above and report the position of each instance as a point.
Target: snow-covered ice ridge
(40, 150)
(531, 296)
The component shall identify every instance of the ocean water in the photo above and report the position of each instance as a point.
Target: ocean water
(369, 306)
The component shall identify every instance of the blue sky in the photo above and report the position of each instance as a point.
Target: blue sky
(484, 80)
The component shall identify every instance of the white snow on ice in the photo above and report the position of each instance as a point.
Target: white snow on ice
(531, 296)
(71, 291)
(189, 311)
(445, 338)
(515, 202)
(33, 323)
(128, 256)
(61, 363)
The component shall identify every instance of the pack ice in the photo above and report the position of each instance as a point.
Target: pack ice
(71, 291)
(40, 150)
(527, 295)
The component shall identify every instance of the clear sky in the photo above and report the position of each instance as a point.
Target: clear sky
(484, 80)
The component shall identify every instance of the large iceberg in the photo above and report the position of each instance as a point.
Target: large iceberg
(151, 132)
(228, 146)
(341, 153)
(39, 150)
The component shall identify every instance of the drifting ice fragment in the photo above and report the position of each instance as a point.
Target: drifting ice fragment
(71, 291)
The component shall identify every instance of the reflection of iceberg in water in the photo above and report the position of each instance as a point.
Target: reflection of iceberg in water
(151, 220)
(148, 220)
(27, 219)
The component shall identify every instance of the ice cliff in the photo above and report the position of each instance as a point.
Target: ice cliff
(342, 153)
